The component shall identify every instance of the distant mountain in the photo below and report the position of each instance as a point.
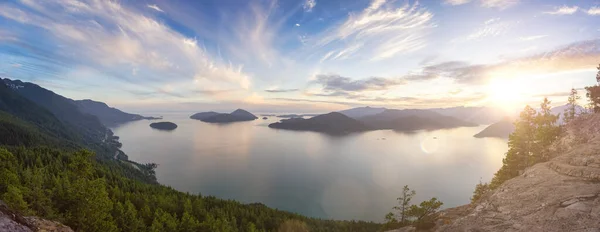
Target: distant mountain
(479, 115)
(108, 115)
(238, 115)
(163, 125)
(203, 115)
(296, 115)
(412, 119)
(360, 112)
(501, 129)
(331, 123)
(64, 109)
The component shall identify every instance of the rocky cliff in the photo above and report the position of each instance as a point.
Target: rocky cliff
(562, 194)
(11, 221)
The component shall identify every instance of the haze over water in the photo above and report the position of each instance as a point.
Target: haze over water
(358, 176)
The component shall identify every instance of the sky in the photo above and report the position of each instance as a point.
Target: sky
(302, 55)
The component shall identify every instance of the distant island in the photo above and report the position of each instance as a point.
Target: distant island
(238, 115)
(500, 129)
(163, 125)
(367, 118)
(331, 123)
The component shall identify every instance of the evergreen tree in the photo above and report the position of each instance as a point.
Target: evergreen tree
(593, 94)
(571, 110)
(14, 199)
(404, 203)
(424, 213)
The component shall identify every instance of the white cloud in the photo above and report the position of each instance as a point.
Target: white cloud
(155, 7)
(129, 41)
(594, 11)
(297, 24)
(378, 32)
(491, 28)
(16, 65)
(500, 4)
(309, 5)
(456, 2)
(563, 10)
(533, 37)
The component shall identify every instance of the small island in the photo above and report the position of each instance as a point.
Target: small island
(163, 125)
(238, 115)
(265, 118)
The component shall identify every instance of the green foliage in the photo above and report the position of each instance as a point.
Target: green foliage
(529, 143)
(404, 203)
(424, 213)
(14, 199)
(480, 190)
(293, 226)
(571, 112)
(593, 95)
(421, 216)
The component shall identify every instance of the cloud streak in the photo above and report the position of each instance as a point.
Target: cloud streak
(280, 90)
(575, 56)
(563, 10)
(378, 32)
(334, 83)
(155, 7)
(110, 36)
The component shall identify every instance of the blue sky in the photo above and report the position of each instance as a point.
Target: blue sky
(304, 55)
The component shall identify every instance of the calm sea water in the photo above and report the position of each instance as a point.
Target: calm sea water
(357, 176)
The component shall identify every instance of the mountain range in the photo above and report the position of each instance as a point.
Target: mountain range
(367, 118)
(331, 123)
(109, 116)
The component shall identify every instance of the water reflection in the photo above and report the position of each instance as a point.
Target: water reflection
(358, 176)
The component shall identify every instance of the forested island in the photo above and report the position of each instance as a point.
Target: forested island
(238, 115)
(163, 125)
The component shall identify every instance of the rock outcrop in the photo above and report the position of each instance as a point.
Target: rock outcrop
(562, 194)
(11, 221)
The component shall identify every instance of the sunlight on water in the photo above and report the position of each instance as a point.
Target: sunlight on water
(357, 176)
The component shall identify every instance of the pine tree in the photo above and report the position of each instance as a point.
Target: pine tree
(571, 110)
(404, 203)
(14, 199)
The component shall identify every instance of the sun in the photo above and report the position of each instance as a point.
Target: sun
(507, 94)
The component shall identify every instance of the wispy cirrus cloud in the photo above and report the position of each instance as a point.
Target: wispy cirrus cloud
(490, 28)
(563, 10)
(378, 32)
(500, 4)
(154, 7)
(110, 36)
(533, 37)
(456, 2)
